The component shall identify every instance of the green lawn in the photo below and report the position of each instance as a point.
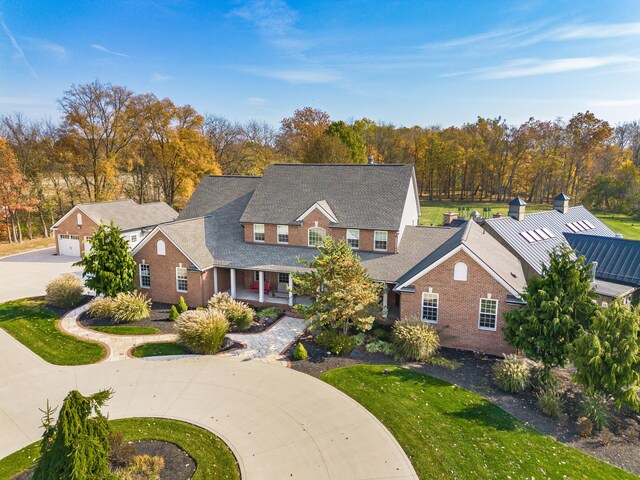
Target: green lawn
(213, 458)
(433, 211)
(127, 330)
(449, 432)
(159, 348)
(33, 325)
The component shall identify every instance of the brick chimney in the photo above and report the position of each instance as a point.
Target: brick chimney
(561, 203)
(450, 217)
(517, 208)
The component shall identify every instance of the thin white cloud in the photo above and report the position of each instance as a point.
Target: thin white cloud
(256, 101)
(52, 48)
(533, 67)
(104, 49)
(19, 51)
(301, 76)
(597, 31)
(159, 77)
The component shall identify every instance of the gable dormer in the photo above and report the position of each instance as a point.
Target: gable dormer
(321, 206)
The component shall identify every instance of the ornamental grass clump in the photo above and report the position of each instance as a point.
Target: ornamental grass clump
(131, 307)
(595, 408)
(202, 331)
(101, 307)
(414, 340)
(65, 291)
(512, 374)
(239, 314)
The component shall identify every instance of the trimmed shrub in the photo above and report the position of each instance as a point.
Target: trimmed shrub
(131, 307)
(511, 374)
(414, 340)
(101, 307)
(202, 331)
(142, 467)
(173, 314)
(269, 312)
(65, 291)
(379, 346)
(595, 408)
(336, 342)
(239, 314)
(182, 305)
(300, 353)
(585, 427)
(549, 402)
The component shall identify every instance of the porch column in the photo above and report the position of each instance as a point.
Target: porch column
(232, 273)
(290, 291)
(215, 279)
(261, 286)
(385, 301)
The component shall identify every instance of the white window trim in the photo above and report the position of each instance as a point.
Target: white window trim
(386, 234)
(177, 283)
(263, 232)
(357, 237)
(164, 248)
(140, 275)
(79, 219)
(283, 273)
(286, 228)
(324, 235)
(466, 272)
(480, 312)
(437, 295)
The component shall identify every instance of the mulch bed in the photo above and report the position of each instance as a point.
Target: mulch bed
(178, 464)
(159, 319)
(62, 311)
(262, 324)
(474, 374)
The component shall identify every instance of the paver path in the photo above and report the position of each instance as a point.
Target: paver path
(265, 346)
(279, 423)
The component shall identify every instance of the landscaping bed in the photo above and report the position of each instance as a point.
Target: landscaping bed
(158, 321)
(473, 372)
(265, 318)
(158, 349)
(449, 432)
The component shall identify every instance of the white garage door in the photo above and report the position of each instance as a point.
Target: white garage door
(69, 245)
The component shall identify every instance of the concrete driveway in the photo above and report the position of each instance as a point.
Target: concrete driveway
(27, 274)
(279, 423)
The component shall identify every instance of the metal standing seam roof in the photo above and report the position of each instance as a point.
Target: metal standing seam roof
(370, 196)
(536, 254)
(618, 259)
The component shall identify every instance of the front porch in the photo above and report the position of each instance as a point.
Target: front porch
(252, 296)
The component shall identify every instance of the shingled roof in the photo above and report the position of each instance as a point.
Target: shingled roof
(517, 233)
(215, 191)
(360, 196)
(618, 259)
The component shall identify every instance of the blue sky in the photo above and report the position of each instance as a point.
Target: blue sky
(407, 62)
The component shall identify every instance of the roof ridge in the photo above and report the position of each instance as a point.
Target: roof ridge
(108, 201)
(184, 220)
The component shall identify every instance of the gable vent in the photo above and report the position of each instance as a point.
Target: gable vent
(538, 235)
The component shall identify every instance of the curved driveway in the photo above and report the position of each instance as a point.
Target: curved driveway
(280, 423)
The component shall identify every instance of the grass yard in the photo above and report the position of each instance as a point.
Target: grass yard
(25, 246)
(627, 226)
(158, 349)
(213, 458)
(449, 432)
(33, 325)
(127, 330)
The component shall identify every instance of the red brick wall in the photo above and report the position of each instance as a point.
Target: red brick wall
(298, 235)
(70, 227)
(459, 306)
(163, 275)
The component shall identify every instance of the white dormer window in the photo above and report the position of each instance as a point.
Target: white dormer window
(283, 233)
(79, 219)
(160, 248)
(316, 236)
(353, 238)
(258, 232)
(460, 272)
(380, 240)
(133, 238)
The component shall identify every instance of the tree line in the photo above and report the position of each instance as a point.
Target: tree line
(112, 143)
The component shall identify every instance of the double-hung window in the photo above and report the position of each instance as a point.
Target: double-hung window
(283, 234)
(488, 314)
(380, 240)
(181, 279)
(283, 277)
(145, 275)
(430, 307)
(258, 232)
(316, 236)
(353, 238)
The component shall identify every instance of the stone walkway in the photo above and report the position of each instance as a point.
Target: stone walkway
(265, 346)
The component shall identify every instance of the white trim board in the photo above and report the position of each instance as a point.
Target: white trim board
(322, 210)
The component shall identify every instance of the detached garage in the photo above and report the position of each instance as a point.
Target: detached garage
(69, 245)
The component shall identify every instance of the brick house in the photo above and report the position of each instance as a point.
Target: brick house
(245, 235)
(73, 231)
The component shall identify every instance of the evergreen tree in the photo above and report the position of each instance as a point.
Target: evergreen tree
(182, 305)
(607, 356)
(558, 305)
(344, 293)
(173, 314)
(76, 447)
(108, 268)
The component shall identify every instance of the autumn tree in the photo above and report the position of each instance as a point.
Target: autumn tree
(327, 149)
(351, 137)
(344, 293)
(14, 192)
(299, 132)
